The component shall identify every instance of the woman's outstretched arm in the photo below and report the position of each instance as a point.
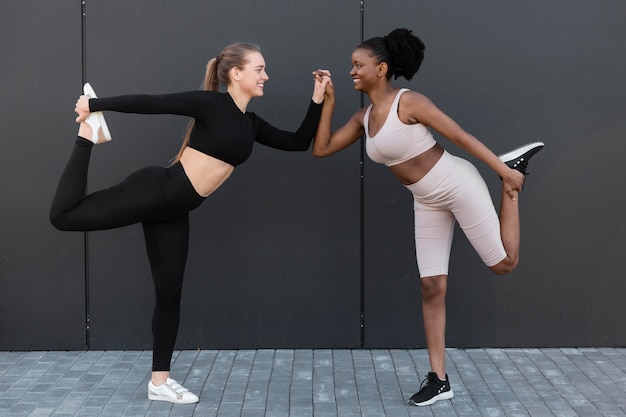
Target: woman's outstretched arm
(421, 108)
(326, 141)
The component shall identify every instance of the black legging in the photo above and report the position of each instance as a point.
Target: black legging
(159, 198)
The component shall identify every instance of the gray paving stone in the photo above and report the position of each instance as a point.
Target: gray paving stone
(317, 383)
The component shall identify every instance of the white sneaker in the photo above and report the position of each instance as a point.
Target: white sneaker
(96, 120)
(171, 391)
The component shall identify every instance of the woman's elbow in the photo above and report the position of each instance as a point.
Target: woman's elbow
(319, 153)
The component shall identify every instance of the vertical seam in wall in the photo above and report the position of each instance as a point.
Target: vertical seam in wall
(85, 234)
(362, 209)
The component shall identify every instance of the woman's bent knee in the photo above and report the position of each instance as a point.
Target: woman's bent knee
(59, 222)
(56, 220)
(505, 266)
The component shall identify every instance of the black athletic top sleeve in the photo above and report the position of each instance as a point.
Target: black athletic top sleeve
(221, 129)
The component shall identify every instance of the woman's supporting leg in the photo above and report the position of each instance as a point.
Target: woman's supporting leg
(167, 245)
(434, 231)
(435, 386)
(434, 315)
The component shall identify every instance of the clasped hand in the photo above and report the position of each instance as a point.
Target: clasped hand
(323, 82)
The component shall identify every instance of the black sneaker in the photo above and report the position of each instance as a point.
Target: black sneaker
(518, 158)
(432, 390)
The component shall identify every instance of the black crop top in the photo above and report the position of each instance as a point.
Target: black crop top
(221, 130)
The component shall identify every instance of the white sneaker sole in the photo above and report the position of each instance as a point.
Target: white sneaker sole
(517, 152)
(443, 396)
(154, 397)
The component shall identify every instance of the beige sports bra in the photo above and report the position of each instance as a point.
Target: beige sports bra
(396, 142)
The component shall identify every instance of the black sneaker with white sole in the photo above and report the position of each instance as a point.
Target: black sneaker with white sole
(432, 390)
(518, 158)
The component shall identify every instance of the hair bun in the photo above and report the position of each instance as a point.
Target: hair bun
(406, 51)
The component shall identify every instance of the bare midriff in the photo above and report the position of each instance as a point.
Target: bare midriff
(205, 172)
(413, 170)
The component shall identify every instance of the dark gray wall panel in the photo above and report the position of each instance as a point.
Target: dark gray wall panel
(274, 257)
(275, 253)
(511, 73)
(41, 269)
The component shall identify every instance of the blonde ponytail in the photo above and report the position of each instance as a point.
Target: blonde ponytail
(210, 83)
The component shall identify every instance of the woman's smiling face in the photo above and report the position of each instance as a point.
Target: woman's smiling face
(253, 75)
(365, 69)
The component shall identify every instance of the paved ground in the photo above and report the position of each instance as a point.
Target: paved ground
(321, 383)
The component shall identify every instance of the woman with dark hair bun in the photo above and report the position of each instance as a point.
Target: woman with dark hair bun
(445, 188)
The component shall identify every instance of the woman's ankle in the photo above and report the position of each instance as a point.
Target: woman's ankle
(84, 131)
(159, 377)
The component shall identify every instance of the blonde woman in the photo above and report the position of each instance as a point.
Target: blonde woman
(220, 137)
